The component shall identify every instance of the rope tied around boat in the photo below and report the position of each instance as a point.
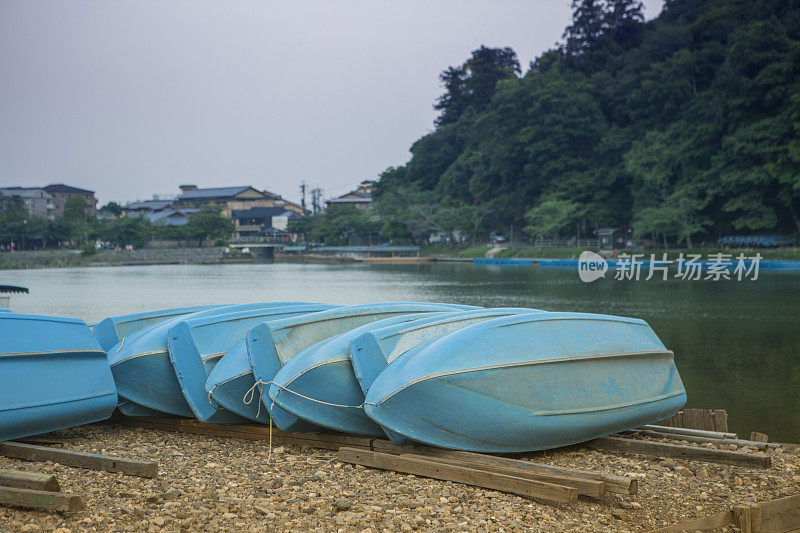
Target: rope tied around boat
(248, 397)
(210, 400)
(121, 344)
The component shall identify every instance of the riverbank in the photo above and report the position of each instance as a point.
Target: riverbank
(522, 252)
(210, 483)
(75, 258)
(60, 258)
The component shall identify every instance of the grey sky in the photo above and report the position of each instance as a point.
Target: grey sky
(131, 98)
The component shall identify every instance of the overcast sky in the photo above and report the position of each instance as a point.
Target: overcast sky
(132, 98)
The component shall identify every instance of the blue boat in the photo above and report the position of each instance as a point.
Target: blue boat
(231, 385)
(113, 329)
(196, 344)
(53, 375)
(528, 382)
(371, 352)
(272, 345)
(142, 369)
(323, 373)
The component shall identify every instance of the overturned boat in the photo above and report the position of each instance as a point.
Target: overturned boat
(528, 382)
(53, 375)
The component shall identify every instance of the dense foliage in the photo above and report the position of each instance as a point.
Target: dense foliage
(685, 127)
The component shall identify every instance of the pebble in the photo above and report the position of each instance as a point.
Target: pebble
(215, 483)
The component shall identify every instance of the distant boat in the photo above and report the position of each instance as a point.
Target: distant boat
(113, 329)
(143, 371)
(528, 382)
(196, 344)
(53, 375)
(323, 373)
(272, 345)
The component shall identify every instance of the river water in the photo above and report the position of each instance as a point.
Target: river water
(736, 343)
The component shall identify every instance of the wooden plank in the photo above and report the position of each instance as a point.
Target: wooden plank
(741, 518)
(758, 437)
(29, 480)
(40, 499)
(664, 449)
(720, 420)
(780, 515)
(31, 452)
(701, 524)
(459, 474)
(615, 484)
(585, 487)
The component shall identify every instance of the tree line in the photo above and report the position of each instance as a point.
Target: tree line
(79, 229)
(684, 128)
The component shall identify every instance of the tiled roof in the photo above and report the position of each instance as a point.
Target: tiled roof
(56, 188)
(24, 192)
(213, 192)
(153, 205)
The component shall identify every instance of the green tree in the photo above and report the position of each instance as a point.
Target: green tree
(209, 224)
(552, 217)
(112, 208)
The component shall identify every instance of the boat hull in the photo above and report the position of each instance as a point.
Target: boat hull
(53, 375)
(270, 346)
(318, 385)
(111, 330)
(196, 345)
(142, 368)
(529, 383)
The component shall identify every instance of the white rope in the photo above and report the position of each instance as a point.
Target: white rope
(209, 396)
(249, 396)
(121, 344)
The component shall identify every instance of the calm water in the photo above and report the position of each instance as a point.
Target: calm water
(736, 344)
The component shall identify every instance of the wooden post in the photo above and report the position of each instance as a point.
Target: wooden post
(29, 480)
(664, 449)
(469, 476)
(758, 437)
(31, 452)
(39, 499)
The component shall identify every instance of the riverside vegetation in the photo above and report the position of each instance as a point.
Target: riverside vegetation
(685, 128)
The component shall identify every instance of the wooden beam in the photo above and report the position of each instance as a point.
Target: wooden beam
(40, 499)
(459, 474)
(663, 449)
(780, 515)
(759, 437)
(585, 487)
(31, 452)
(615, 484)
(29, 480)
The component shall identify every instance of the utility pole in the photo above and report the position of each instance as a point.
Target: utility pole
(316, 200)
(303, 193)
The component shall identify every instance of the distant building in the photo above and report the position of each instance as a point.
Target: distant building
(171, 216)
(145, 207)
(36, 200)
(61, 193)
(361, 198)
(227, 199)
(255, 221)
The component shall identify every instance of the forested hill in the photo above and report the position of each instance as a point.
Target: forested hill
(687, 126)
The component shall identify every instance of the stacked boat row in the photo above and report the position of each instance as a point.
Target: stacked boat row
(492, 380)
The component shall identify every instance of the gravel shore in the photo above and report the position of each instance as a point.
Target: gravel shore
(225, 484)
